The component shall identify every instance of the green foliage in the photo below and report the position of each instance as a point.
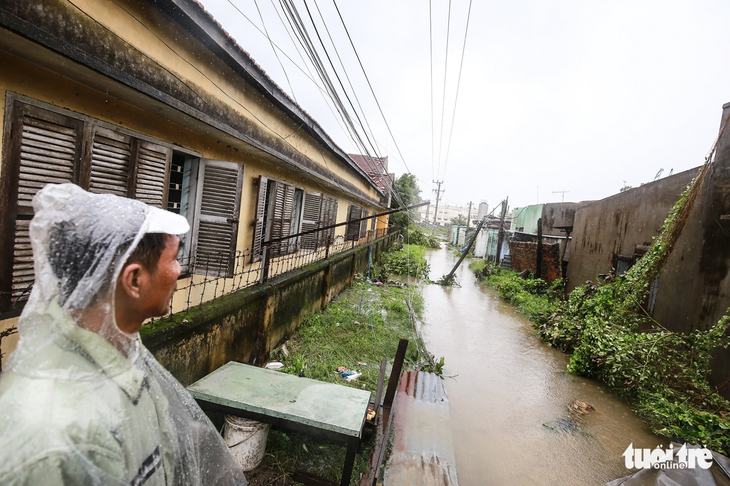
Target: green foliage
(413, 235)
(408, 260)
(407, 188)
(534, 297)
(662, 373)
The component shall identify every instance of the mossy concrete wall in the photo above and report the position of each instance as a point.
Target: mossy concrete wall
(248, 324)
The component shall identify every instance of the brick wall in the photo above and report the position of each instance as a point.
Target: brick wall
(524, 257)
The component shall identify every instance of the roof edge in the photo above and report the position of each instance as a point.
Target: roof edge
(193, 17)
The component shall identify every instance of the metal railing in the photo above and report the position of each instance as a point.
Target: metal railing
(210, 277)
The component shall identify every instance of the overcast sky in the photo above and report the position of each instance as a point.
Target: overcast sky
(570, 95)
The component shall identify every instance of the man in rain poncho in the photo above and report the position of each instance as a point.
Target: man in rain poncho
(82, 401)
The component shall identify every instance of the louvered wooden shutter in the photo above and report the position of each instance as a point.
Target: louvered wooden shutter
(111, 155)
(258, 231)
(281, 217)
(364, 224)
(216, 227)
(353, 229)
(153, 168)
(328, 217)
(311, 208)
(44, 148)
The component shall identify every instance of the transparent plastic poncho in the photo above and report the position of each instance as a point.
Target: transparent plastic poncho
(75, 408)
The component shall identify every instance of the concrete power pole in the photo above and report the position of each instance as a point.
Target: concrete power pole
(468, 217)
(436, 210)
(500, 237)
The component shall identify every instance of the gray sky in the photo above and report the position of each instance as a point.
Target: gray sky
(570, 95)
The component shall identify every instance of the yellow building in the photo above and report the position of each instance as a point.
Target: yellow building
(155, 101)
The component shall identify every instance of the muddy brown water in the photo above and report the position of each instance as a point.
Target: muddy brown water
(508, 399)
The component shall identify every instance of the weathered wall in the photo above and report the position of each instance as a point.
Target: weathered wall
(524, 257)
(556, 216)
(694, 286)
(194, 343)
(617, 224)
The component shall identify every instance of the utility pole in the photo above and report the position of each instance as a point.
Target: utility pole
(500, 237)
(468, 220)
(436, 210)
(538, 263)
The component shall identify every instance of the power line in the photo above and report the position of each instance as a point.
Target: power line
(339, 80)
(263, 23)
(430, 46)
(344, 70)
(371, 87)
(443, 102)
(458, 85)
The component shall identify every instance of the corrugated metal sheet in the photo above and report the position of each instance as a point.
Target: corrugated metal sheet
(423, 451)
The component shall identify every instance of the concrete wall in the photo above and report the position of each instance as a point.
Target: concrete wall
(694, 286)
(194, 343)
(618, 224)
(559, 215)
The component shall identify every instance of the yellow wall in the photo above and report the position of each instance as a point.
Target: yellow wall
(169, 46)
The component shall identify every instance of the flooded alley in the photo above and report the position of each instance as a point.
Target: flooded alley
(509, 394)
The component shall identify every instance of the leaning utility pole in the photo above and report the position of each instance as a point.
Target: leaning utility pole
(446, 279)
(468, 217)
(500, 237)
(438, 196)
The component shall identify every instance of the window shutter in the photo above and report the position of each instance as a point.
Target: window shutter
(44, 148)
(258, 231)
(311, 209)
(353, 229)
(48, 154)
(328, 217)
(111, 154)
(153, 168)
(364, 224)
(219, 196)
(281, 217)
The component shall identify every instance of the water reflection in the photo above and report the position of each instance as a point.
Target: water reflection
(509, 398)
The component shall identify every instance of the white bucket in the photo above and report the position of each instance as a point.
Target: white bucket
(246, 439)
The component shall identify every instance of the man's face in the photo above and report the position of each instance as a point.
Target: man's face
(155, 300)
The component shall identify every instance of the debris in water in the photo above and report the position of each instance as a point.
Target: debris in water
(580, 408)
(564, 425)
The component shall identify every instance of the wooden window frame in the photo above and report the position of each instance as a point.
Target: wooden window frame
(352, 230)
(17, 107)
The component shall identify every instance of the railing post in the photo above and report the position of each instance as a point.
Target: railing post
(264, 264)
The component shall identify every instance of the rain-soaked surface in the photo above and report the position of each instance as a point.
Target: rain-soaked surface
(509, 399)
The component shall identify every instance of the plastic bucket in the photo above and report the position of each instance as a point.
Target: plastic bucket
(246, 439)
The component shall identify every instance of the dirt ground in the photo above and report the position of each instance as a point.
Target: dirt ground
(266, 476)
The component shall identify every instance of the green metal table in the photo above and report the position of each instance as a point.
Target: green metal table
(333, 412)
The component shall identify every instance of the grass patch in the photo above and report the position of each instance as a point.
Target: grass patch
(358, 330)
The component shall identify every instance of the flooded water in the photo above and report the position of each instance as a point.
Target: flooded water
(509, 396)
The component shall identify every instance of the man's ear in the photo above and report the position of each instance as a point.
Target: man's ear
(130, 280)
